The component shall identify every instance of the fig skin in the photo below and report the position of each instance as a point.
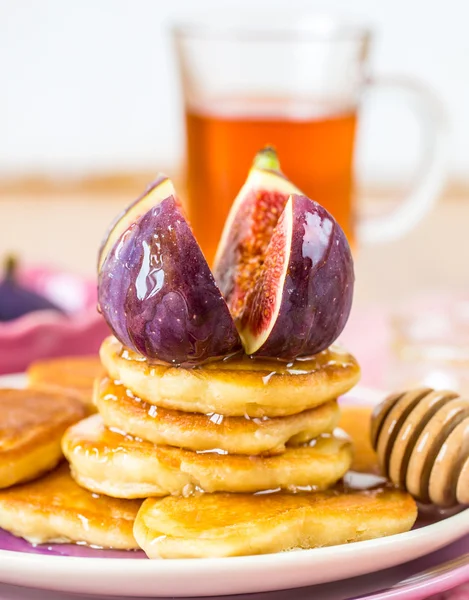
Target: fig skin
(157, 191)
(158, 295)
(315, 287)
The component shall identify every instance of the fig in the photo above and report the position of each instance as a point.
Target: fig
(249, 227)
(158, 295)
(16, 300)
(157, 191)
(302, 296)
(284, 267)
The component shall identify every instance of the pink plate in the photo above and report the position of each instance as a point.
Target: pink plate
(47, 333)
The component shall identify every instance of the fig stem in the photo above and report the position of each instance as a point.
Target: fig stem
(267, 159)
(10, 266)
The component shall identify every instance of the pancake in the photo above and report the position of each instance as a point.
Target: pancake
(120, 409)
(73, 376)
(217, 525)
(56, 509)
(32, 423)
(109, 462)
(356, 422)
(236, 386)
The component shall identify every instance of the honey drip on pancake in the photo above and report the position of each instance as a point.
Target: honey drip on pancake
(334, 355)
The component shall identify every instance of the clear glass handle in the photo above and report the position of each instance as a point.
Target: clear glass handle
(430, 176)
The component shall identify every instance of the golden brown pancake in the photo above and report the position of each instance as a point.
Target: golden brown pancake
(108, 462)
(356, 422)
(236, 386)
(32, 423)
(56, 509)
(214, 525)
(120, 409)
(72, 375)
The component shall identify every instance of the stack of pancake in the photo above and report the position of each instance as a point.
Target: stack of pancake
(240, 425)
(255, 436)
(208, 446)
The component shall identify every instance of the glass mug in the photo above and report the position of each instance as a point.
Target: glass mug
(297, 88)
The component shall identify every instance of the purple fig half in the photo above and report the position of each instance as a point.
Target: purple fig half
(302, 297)
(157, 191)
(158, 295)
(248, 228)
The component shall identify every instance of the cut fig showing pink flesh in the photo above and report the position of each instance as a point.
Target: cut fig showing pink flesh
(248, 228)
(156, 192)
(158, 295)
(301, 299)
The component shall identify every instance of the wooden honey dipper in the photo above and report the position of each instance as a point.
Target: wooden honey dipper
(421, 437)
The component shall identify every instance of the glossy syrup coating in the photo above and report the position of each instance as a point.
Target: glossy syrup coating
(158, 295)
(238, 385)
(302, 299)
(122, 410)
(56, 509)
(109, 462)
(241, 524)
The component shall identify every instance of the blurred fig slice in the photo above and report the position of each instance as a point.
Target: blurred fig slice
(249, 227)
(302, 296)
(158, 295)
(157, 191)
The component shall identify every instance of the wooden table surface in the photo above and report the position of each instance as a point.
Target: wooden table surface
(65, 230)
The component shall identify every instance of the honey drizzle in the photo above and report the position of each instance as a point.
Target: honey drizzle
(334, 356)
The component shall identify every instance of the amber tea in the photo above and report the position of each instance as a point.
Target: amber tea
(297, 84)
(315, 152)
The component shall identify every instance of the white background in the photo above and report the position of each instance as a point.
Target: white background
(90, 86)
